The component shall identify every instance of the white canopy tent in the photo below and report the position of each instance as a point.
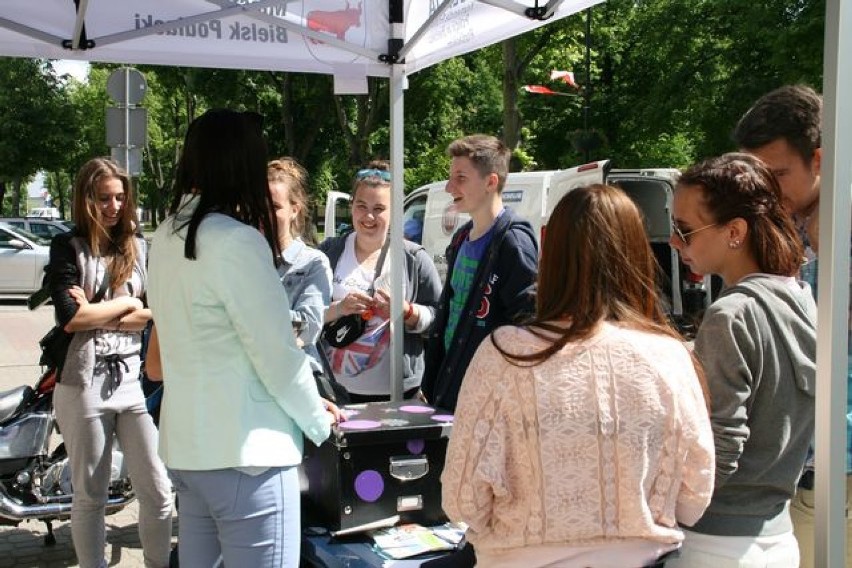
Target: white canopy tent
(349, 39)
(344, 38)
(352, 39)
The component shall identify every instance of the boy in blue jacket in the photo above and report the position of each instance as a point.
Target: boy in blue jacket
(492, 264)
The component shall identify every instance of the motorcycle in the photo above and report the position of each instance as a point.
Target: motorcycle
(35, 478)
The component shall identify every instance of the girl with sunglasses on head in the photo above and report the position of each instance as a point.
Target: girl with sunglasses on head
(757, 343)
(363, 366)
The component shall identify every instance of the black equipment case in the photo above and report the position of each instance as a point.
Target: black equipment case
(386, 459)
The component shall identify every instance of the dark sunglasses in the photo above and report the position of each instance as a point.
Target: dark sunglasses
(684, 237)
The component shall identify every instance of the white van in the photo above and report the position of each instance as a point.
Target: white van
(430, 219)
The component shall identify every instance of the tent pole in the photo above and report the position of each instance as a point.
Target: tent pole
(833, 325)
(79, 23)
(397, 82)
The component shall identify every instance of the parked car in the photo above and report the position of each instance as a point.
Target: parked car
(23, 256)
(40, 226)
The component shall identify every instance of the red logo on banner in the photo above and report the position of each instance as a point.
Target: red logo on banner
(335, 22)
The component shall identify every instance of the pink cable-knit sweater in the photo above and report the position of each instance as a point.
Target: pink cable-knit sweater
(605, 444)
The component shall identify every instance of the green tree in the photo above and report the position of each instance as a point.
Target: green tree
(36, 129)
(687, 69)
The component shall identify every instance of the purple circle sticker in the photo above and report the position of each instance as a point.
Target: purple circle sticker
(359, 425)
(416, 446)
(417, 409)
(443, 418)
(369, 485)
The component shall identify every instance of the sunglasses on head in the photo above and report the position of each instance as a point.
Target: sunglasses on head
(383, 175)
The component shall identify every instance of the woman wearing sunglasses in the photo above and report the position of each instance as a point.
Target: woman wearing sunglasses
(360, 285)
(757, 344)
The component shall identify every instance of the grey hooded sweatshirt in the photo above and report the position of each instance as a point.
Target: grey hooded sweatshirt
(757, 343)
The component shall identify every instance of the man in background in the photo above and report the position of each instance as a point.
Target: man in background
(784, 129)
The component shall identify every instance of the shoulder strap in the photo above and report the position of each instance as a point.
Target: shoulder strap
(379, 265)
(99, 295)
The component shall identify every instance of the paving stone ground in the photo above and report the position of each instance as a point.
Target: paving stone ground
(23, 546)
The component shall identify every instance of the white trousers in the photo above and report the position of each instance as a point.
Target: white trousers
(710, 551)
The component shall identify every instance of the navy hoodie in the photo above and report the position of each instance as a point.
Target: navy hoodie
(503, 293)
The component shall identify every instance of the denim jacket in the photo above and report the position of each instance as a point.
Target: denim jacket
(306, 276)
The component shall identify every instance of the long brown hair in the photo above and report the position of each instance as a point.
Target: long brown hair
(596, 265)
(116, 243)
(739, 185)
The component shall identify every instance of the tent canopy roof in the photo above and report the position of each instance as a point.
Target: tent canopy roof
(345, 38)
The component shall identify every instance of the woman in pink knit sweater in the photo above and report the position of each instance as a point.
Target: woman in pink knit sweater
(582, 439)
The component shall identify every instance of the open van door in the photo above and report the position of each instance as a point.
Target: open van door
(653, 191)
(563, 181)
(338, 217)
(440, 221)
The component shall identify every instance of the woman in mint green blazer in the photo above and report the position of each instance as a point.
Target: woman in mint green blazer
(240, 394)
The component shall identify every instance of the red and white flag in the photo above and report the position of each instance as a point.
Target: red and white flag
(538, 89)
(566, 77)
(542, 90)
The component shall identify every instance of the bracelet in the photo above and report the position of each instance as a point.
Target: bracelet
(409, 312)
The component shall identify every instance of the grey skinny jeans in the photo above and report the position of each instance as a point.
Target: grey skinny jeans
(88, 418)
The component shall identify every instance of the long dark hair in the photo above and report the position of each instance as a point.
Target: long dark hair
(739, 185)
(596, 265)
(224, 161)
(119, 240)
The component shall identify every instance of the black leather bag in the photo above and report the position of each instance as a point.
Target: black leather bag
(54, 345)
(344, 330)
(327, 385)
(330, 389)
